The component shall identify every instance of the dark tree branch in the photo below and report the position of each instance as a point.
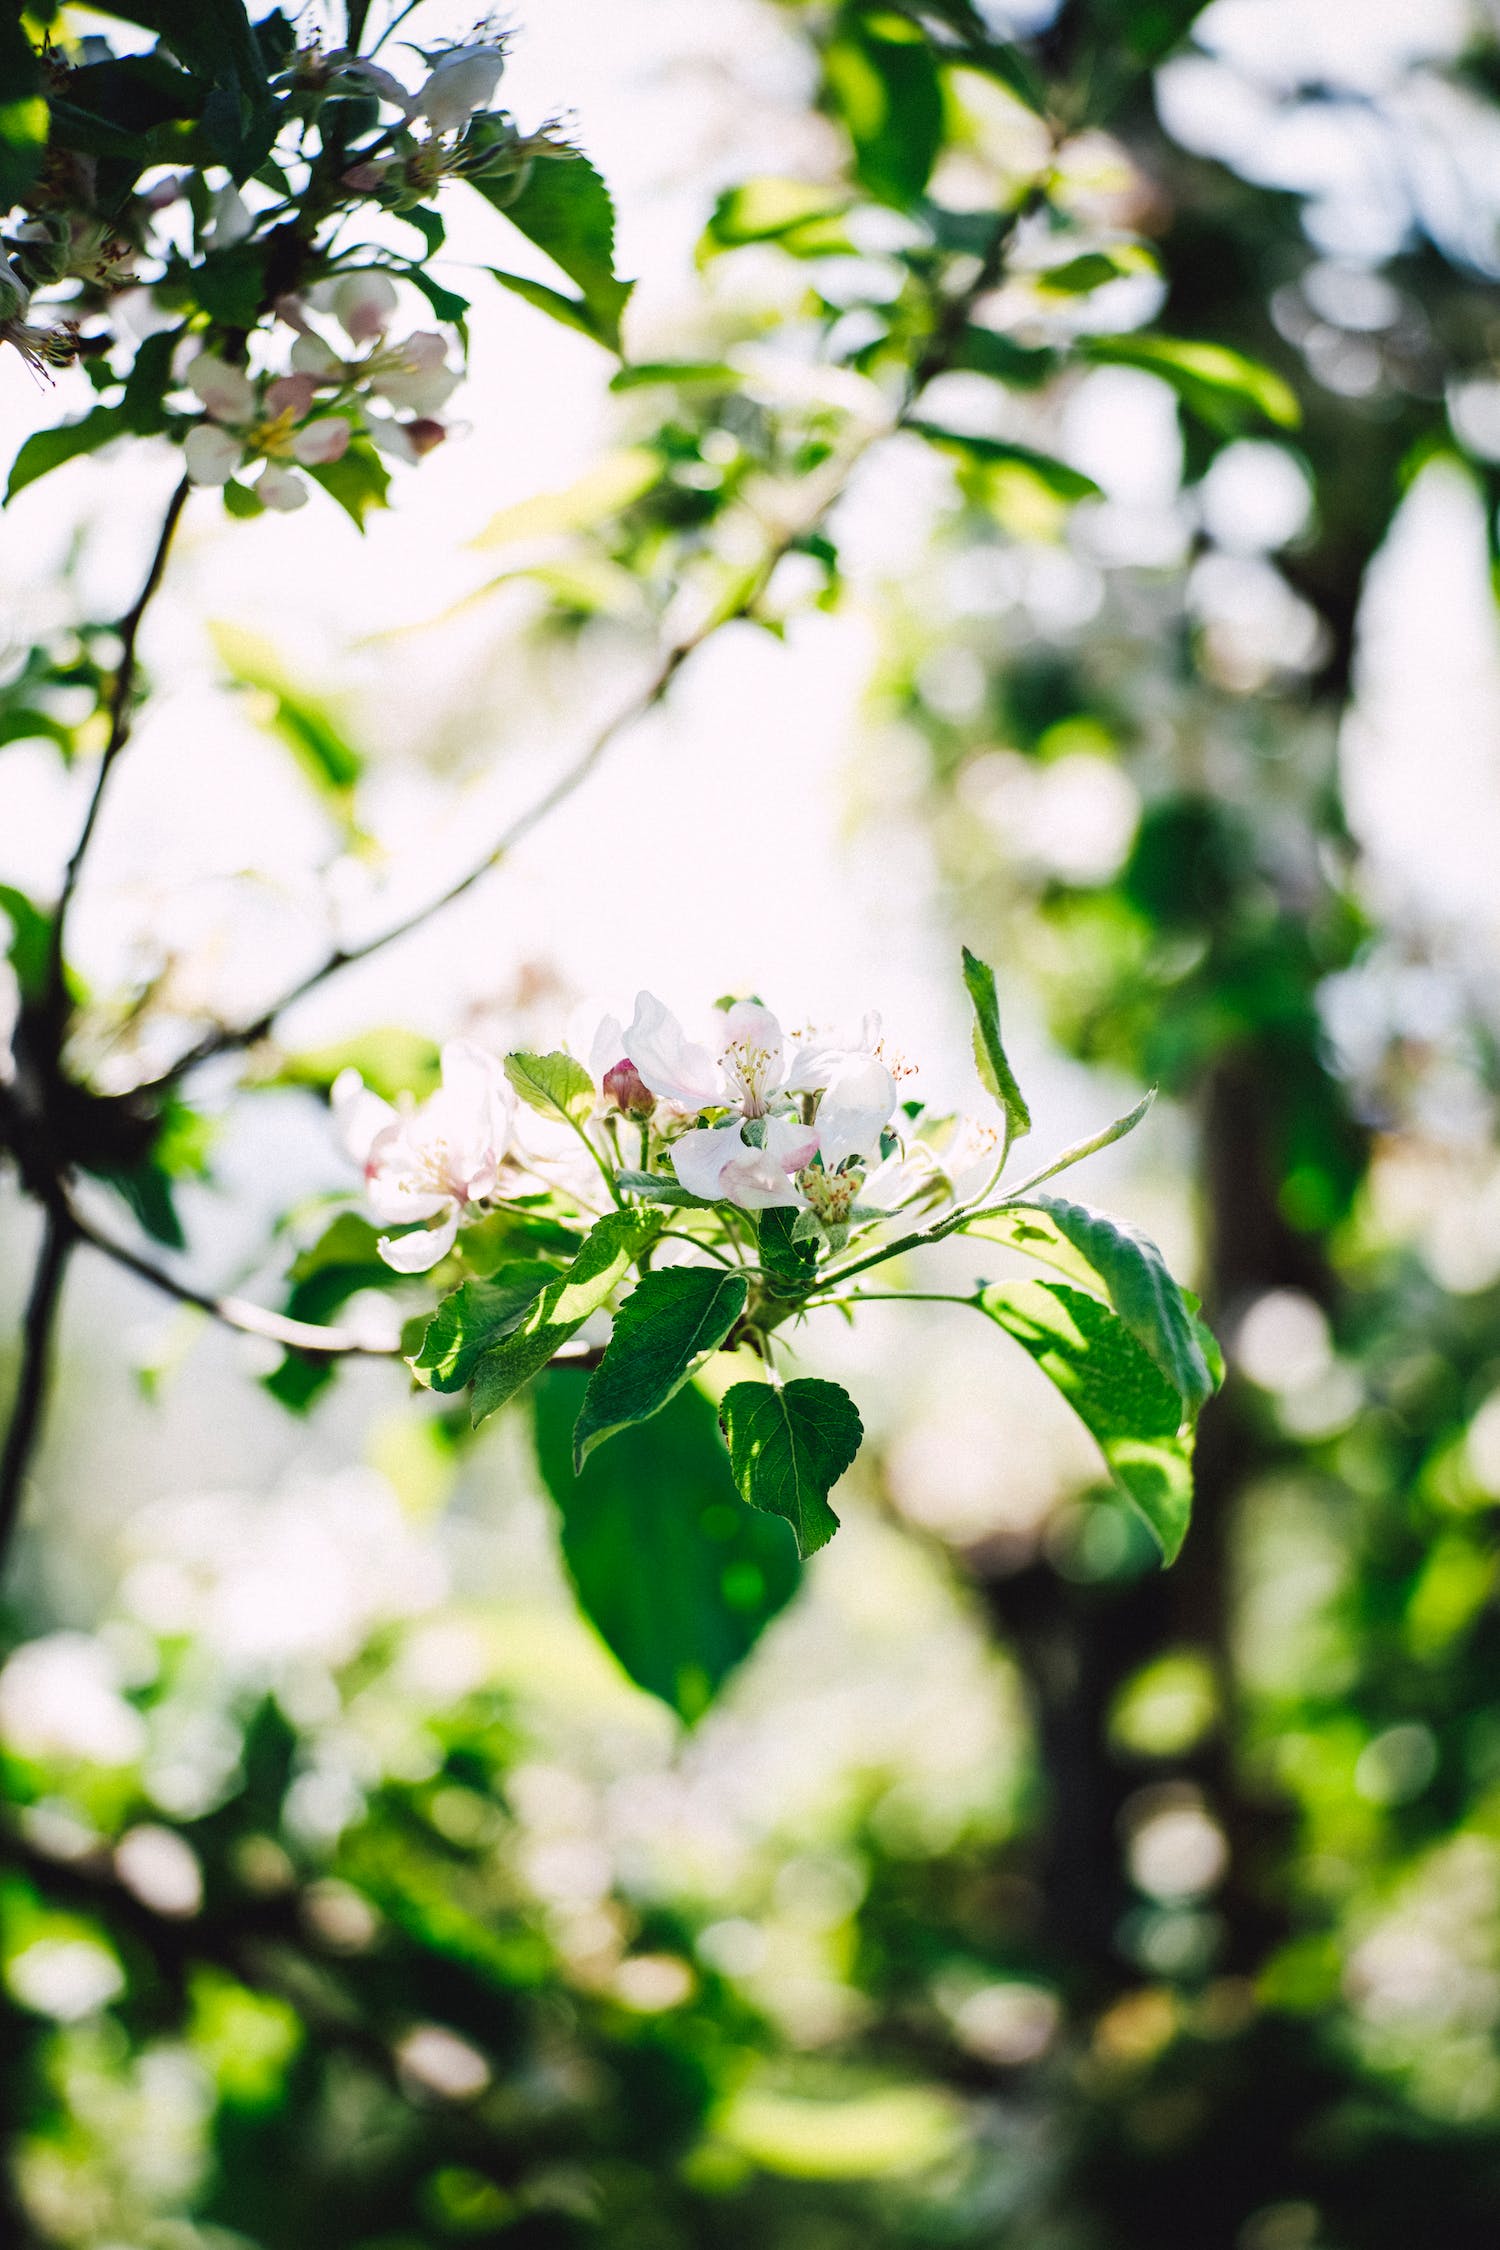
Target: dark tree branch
(55, 1003)
(30, 1396)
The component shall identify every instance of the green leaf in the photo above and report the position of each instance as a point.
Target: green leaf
(30, 947)
(565, 209)
(23, 140)
(655, 1187)
(1057, 477)
(554, 1085)
(609, 1251)
(789, 1258)
(1223, 388)
(989, 1053)
(664, 1328)
(773, 210)
(477, 1315)
(678, 1577)
(571, 312)
(214, 39)
(1129, 1408)
(49, 449)
(788, 1447)
(1094, 269)
(713, 374)
(1078, 1150)
(1022, 367)
(306, 726)
(608, 487)
(882, 82)
(1141, 1290)
(390, 1059)
(358, 480)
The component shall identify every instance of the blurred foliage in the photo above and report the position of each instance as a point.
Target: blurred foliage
(1228, 1972)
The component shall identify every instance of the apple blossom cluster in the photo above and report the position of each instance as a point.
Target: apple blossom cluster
(750, 1118)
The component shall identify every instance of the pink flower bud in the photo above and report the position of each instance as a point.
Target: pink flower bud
(425, 434)
(365, 179)
(625, 1087)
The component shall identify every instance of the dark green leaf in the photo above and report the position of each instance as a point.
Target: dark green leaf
(565, 209)
(882, 82)
(1122, 1399)
(230, 284)
(609, 1251)
(23, 112)
(477, 1315)
(213, 38)
(788, 1447)
(664, 1328)
(679, 1578)
(30, 947)
(1023, 367)
(989, 1051)
(49, 449)
(554, 1085)
(788, 1257)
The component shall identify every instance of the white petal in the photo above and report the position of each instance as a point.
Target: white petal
(675, 1069)
(358, 1114)
(421, 390)
(211, 455)
(699, 1158)
(856, 1107)
(390, 437)
(226, 391)
(461, 83)
(607, 1049)
(278, 488)
(790, 1143)
(363, 304)
(311, 356)
(752, 1055)
(230, 218)
(756, 1182)
(324, 440)
(478, 1098)
(419, 1253)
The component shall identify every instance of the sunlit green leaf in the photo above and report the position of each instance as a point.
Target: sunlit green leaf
(475, 1316)
(565, 209)
(609, 1250)
(1131, 1410)
(881, 81)
(1222, 387)
(49, 449)
(553, 1085)
(994, 1068)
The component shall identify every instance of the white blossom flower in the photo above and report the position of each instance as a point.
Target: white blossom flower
(431, 1161)
(462, 81)
(241, 427)
(853, 1089)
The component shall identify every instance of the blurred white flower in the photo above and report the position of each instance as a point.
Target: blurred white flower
(241, 427)
(60, 1698)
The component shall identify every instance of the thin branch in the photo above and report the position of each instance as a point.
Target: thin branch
(36, 1363)
(232, 1312)
(120, 714)
(947, 333)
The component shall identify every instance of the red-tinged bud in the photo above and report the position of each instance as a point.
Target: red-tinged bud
(425, 434)
(625, 1087)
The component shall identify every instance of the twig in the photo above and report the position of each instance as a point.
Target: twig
(55, 1000)
(947, 332)
(36, 1361)
(231, 1312)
